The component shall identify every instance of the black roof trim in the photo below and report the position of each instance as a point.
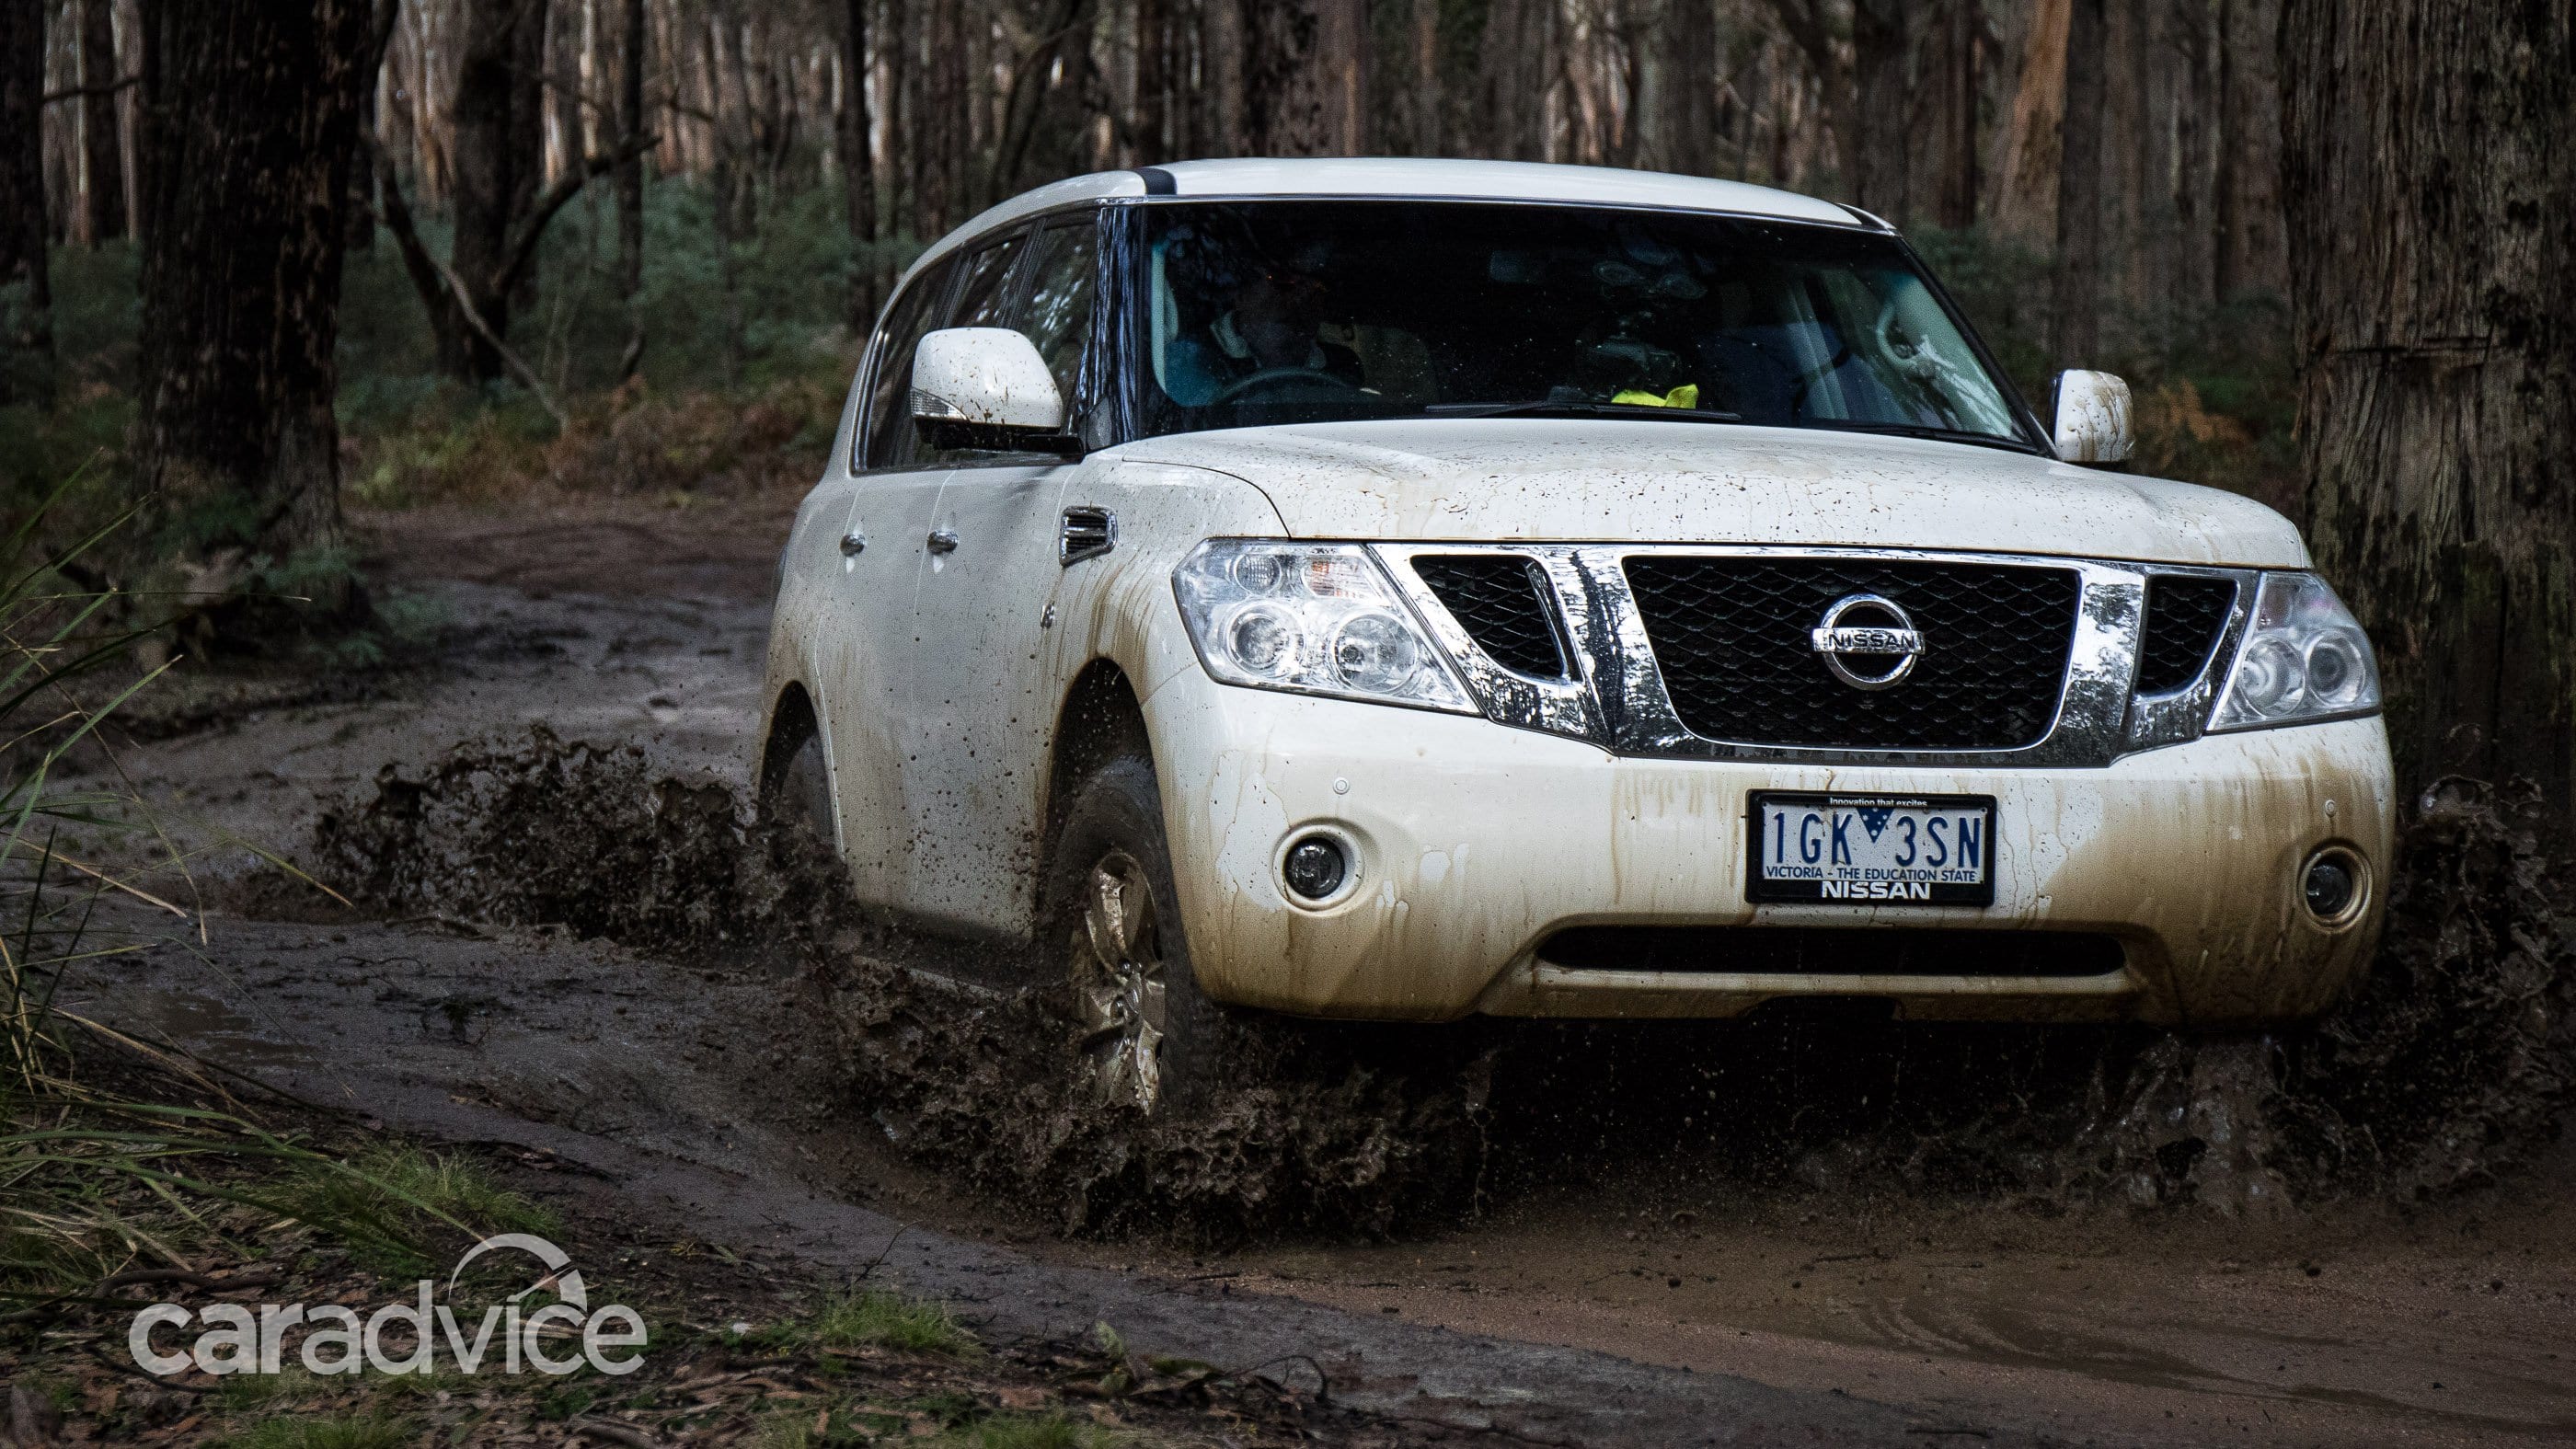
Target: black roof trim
(1159, 182)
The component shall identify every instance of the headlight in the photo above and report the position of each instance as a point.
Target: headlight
(1317, 618)
(2303, 658)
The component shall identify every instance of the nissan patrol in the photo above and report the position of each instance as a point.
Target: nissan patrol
(1401, 590)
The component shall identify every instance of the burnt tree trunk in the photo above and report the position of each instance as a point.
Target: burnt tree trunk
(26, 295)
(2075, 299)
(250, 123)
(859, 167)
(1153, 82)
(1957, 77)
(630, 182)
(1881, 110)
(1429, 109)
(1304, 72)
(362, 171)
(1220, 125)
(1691, 90)
(2432, 216)
(102, 144)
(499, 151)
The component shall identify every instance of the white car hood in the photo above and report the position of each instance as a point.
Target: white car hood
(1647, 481)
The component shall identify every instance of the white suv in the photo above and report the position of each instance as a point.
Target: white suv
(1409, 589)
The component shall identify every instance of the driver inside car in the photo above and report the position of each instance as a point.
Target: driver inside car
(1274, 326)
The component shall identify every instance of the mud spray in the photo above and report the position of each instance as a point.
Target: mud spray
(2454, 1062)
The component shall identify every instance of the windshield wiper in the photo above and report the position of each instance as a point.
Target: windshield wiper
(1544, 407)
(1919, 430)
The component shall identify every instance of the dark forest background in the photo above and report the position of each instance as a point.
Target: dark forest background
(259, 264)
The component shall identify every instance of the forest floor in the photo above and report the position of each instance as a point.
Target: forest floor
(694, 1097)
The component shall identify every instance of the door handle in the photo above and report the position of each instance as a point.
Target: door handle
(943, 540)
(853, 543)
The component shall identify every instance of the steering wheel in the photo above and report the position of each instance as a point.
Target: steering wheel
(1913, 358)
(1273, 376)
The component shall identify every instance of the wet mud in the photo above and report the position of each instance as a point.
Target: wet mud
(2455, 1062)
(587, 837)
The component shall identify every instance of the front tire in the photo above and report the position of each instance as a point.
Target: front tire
(1147, 1035)
(797, 791)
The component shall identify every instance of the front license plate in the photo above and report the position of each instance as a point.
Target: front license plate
(1866, 849)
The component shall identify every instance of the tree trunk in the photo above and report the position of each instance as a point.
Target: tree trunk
(1957, 74)
(2024, 206)
(1428, 107)
(858, 167)
(251, 121)
(1879, 111)
(2252, 256)
(632, 39)
(1513, 79)
(2437, 406)
(2075, 301)
(26, 298)
(1153, 81)
(2192, 108)
(102, 148)
(564, 91)
(498, 136)
(1221, 49)
(1808, 29)
(362, 170)
(938, 119)
(1304, 69)
(1690, 90)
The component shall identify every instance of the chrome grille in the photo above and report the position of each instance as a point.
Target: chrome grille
(1731, 637)
(2185, 615)
(1500, 599)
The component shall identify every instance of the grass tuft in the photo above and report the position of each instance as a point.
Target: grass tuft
(875, 1319)
(339, 1432)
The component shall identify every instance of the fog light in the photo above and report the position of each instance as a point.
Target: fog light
(1315, 867)
(2331, 886)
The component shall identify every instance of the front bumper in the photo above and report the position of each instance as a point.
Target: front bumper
(1476, 842)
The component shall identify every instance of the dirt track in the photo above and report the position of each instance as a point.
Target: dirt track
(1620, 1302)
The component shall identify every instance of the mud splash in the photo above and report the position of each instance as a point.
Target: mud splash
(592, 838)
(554, 832)
(1336, 1144)
(2454, 1063)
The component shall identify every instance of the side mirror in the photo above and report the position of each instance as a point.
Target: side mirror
(2092, 422)
(986, 387)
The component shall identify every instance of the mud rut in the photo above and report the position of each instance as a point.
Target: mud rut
(590, 937)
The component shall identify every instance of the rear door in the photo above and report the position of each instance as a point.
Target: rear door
(862, 646)
(985, 688)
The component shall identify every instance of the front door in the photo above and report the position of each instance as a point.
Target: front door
(985, 683)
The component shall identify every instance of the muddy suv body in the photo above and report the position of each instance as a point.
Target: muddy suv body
(1548, 591)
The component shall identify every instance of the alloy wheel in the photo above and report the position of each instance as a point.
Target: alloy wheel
(1119, 985)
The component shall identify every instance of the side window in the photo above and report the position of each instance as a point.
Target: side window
(1056, 314)
(986, 292)
(983, 300)
(889, 440)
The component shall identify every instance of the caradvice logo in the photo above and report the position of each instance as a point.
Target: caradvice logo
(237, 1340)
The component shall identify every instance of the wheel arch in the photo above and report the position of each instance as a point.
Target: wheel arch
(1100, 720)
(791, 721)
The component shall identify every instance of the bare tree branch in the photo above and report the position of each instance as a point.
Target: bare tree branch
(440, 289)
(532, 227)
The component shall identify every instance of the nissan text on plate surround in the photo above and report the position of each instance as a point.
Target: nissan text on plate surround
(1405, 590)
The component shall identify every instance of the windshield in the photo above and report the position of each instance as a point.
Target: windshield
(1304, 311)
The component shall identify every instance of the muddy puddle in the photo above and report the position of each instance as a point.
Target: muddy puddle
(2453, 1066)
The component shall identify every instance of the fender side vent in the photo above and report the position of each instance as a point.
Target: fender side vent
(1501, 600)
(1087, 533)
(2185, 616)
